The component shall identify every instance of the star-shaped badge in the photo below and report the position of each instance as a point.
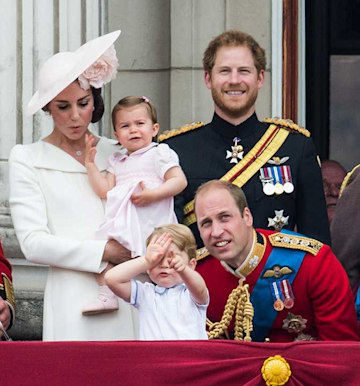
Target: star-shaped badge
(237, 152)
(278, 221)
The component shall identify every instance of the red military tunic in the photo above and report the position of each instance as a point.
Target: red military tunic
(321, 290)
(6, 287)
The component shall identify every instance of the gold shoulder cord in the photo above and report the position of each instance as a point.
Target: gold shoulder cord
(287, 124)
(239, 303)
(184, 129)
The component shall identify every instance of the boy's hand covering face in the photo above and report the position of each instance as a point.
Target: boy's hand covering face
(157, 249)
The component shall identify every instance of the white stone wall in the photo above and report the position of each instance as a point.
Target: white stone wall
(161, 50)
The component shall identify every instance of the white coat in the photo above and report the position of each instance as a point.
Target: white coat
(55, 214)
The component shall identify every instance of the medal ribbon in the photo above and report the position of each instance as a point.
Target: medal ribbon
(276, 174)
(288, 173)
(357, 304)
(261, 297)
(277, 295)
(286, 288)
(262, 174)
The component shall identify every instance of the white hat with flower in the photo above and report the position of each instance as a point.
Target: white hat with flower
(93, 64)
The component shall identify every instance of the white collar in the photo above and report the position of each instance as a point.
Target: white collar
(52, 157)
(138, 152)
(252, 259)
(161, 290)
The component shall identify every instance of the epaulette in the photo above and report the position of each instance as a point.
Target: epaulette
(288, 124)
(184, 129)
(302, 243)
(347, 180)
(201, 253)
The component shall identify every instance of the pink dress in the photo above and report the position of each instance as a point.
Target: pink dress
(124, 222)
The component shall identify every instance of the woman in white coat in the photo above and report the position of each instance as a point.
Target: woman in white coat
(54, 209)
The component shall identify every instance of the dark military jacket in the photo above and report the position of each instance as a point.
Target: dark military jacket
(202, 154)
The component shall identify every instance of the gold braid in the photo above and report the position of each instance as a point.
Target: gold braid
(239, 301)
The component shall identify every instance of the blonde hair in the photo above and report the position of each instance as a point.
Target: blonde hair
(131, 101)
(181, 236)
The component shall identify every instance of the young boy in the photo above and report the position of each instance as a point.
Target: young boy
(175, 306)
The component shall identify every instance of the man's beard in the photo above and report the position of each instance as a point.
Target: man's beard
(231, 109)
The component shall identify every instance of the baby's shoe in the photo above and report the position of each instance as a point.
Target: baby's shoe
(106, 301)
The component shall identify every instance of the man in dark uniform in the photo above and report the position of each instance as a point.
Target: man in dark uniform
(299, 291)
(274, 161)
(7, 300)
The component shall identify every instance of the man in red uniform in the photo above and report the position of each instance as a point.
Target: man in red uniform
(7, 299)
(298, 288)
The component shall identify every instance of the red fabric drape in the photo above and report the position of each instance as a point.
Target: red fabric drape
(175, 363)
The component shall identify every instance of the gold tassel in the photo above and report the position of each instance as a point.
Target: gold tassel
(238, 303)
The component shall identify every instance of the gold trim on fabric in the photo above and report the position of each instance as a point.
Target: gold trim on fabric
(295, 242)
(201, 253)
(288, 124)
(255, 258)
(9, 289)
(184, 129)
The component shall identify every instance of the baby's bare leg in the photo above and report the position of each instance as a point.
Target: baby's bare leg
(100, 277)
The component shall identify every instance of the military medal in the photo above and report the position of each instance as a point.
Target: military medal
(294, 324)
(278, 303)
(267, 182)
(278, 221)
(268, 189)
(288, 303)
(279, 188)
(237, 151)
(288, 294)
(288, 185)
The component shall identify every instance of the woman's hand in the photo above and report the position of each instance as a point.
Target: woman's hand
(115, 253)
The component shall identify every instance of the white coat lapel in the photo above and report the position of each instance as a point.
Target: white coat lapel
(52, 157)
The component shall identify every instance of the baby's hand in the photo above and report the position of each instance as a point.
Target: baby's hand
(157, 249)
(143, 198)
(177, 262)
(90, 150)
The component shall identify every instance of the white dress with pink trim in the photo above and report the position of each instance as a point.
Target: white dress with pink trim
(126, 223)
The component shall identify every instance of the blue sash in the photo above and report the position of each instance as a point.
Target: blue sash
(261, 296)
(357, 304)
